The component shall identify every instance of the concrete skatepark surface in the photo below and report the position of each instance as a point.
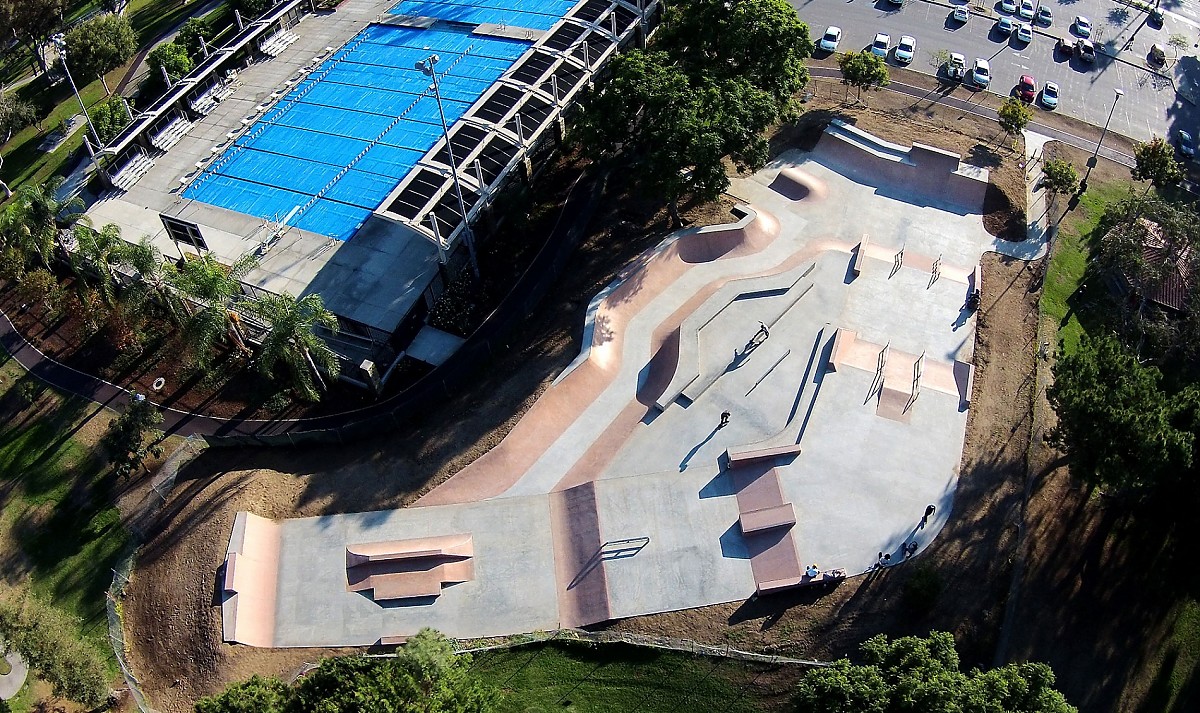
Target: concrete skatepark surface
(616, 494)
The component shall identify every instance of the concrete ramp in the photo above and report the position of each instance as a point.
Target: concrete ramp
(918, 174)
(250, 581)
(797, 185)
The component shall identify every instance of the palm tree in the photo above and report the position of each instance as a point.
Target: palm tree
(292, 339)
(97, 256)
(39, 214)
(214, 287)
(155, 276)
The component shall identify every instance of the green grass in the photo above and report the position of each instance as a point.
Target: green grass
(1075, 302)
(22, 161)
(56, 507)
(613, 677)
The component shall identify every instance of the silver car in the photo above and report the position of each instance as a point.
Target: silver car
(881, 45)
(829, 42)
(981, 73)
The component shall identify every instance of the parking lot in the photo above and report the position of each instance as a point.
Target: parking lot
(1149, 106)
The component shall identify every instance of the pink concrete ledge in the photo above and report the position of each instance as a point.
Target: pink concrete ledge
(767, 518)
(860, 256)
(747, 456)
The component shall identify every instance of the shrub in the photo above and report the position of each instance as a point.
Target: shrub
(921, 590)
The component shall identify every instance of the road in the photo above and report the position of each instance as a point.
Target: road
(1149, 107)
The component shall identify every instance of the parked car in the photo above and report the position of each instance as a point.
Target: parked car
(1044, 15)
(1025, 32)
(981, 73)
(1085, 49)
(1156, 17)
(1009, 6)
(906, 49)
(1050, 95)
(956, 66)
(1187, 145)
(1027, 88)
(1005, 25)
(1026, 10)
(881, 45)
(961, 13)
(1082, 26)
(831, 38)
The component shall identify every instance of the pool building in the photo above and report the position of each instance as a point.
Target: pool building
(315, 141)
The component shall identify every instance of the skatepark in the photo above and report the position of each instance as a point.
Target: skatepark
(825, 326)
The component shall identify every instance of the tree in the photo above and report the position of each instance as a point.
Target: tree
(192, 36)
(292, 340)
(100, 45)
(1155, 162)
(154, 280)
(95, 259)
(38, 215)
(760, 41)
(863, 70)
(255, 695)
(675, 131)
(1059, 177)
(49, 642)
(132, 437)
(110, 118)
(173, 58)
(425, 675)
(1014, 115)
(14, 115)
(41, 286)
(1179, 41)
(915, 674)
(1117, 425)
(215, 287)
(33, 21)
(252, 9)
(938, 58)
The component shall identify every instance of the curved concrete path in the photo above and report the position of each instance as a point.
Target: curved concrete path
(11, 682)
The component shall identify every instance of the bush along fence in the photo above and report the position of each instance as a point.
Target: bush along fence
(664, 643)
(160, 489)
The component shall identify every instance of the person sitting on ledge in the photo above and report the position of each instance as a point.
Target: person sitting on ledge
(812, 571)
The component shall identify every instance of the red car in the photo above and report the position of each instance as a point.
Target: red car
(1027, 88)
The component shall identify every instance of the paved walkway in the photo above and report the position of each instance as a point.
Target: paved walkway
(10, 683)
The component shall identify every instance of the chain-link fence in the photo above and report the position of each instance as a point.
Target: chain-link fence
(161, 485)
(686, 646)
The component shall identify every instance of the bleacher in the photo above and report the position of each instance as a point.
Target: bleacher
(132, 171)
(171, 134)
(278, 42)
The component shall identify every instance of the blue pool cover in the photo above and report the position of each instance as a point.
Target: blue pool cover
(534, 14)
(345, 136)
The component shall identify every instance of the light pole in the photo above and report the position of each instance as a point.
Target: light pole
(1093, 160)
(60, 42)
(427, 67)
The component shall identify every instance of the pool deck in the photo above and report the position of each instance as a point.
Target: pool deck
(617, 494)
(372, 279)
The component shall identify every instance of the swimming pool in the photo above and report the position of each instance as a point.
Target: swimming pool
(334, 147)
